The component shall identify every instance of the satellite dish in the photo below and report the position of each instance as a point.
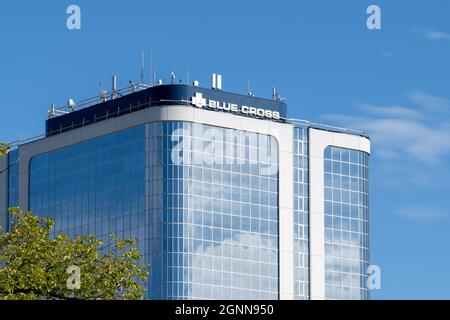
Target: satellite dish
(71, 104)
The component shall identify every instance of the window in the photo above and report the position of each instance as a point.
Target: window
(345, 172)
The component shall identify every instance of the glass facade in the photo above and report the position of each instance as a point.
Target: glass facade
(13, 178)
(301, 213)
(346, 223)
(95, 187)
(215, 215)
(202, 202)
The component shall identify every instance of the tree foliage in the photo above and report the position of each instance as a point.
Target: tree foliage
(4, 149)
(33, 265)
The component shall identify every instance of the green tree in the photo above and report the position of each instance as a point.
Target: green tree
(4, 149)
(33, 265)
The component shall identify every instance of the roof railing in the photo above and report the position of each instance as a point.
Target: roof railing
(16, 143)
(327, 127)
(102, 97)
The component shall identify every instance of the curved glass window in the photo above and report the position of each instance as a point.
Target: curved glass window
(93, 187)
(346, 223)
(214, 192)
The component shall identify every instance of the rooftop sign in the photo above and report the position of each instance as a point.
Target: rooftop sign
(174, 94)
(200, 102)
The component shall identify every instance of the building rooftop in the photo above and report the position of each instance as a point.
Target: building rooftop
(138, 97)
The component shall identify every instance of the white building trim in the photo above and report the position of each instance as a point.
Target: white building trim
(318, 141)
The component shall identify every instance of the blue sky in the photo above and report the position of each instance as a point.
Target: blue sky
(392, 83)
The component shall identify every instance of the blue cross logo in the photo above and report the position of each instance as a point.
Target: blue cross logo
(198, 100)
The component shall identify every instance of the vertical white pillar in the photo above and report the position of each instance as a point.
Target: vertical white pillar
(318, 141)
(285, 136)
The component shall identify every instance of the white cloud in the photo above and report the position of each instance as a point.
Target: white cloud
(400, 132)
(402, 137)
(437, 35)
(426, 101)
(421, 213)
(394, 111)
(388, 153)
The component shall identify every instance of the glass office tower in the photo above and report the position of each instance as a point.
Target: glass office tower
(226, 197)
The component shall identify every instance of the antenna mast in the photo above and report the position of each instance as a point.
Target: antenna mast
(151, 68)
(142, 66)
(249, 88)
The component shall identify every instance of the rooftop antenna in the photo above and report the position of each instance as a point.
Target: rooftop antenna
(71, 104)
(114, 87)
(142, 66)
(133, 86)
(219, 82)
(52, 111)
(249, 88)
(152, 80)
(172, 77)
(276, 96)
(216, 81)
(103, 92)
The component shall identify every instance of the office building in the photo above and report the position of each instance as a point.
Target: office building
(227, 197)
